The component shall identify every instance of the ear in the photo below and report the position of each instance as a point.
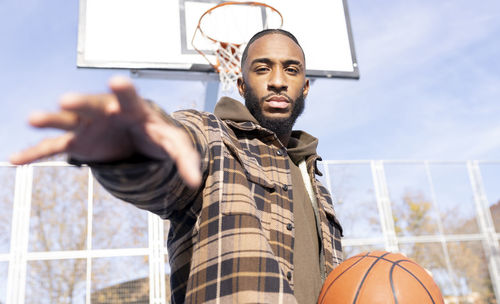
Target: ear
(241, 86)
(305, 89)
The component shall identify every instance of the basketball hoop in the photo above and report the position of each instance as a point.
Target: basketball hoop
(226, 29)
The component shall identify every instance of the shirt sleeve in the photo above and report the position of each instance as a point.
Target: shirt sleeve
(155, 185)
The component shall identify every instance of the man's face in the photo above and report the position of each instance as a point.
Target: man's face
(274, 84)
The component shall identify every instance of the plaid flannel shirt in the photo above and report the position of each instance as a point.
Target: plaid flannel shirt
(230, 241)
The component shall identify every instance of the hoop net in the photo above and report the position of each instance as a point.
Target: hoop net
(223, 32)
(228, 57)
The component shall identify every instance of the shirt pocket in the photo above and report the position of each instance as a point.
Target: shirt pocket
(245, 181)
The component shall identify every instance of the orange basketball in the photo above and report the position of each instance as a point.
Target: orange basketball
(379, 277)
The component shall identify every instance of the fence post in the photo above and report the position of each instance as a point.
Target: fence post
(486, 226)
(16, 278)
(384, 205)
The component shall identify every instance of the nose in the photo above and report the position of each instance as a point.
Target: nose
(277, 81)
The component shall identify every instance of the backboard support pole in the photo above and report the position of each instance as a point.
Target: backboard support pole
(211, 95)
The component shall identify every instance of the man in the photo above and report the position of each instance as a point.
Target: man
(249, 221)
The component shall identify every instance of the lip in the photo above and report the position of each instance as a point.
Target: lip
(277, 99)
(277, 102)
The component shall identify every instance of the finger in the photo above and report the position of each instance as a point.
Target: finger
(189, 168)
(46, 148)
(89, 105)
(129, 100)
(62, 120)
(182, 152)
(180, 149)
(188, 164)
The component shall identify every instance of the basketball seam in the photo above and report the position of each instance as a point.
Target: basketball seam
(396, 263)
(326, 291)
(378, 258)
(366, 274)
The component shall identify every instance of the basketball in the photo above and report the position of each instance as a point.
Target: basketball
(379, 277)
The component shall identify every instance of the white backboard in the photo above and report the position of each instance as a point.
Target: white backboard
(157, 34)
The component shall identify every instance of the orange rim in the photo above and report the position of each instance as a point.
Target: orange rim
(234, 3)
(198, 27)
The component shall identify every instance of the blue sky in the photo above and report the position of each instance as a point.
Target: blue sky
(429, 86)
(429, 89)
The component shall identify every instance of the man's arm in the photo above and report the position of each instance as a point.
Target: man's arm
(113, 127)
(155, 185)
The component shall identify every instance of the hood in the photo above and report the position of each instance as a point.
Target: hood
(301, 144)
(230, 109)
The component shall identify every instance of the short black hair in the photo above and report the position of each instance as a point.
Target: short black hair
(264, 33)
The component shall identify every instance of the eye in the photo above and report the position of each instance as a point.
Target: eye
(292, 70)
(261, 69)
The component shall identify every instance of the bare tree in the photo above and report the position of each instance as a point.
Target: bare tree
(414, 216)
(7, 176)
(58, 222)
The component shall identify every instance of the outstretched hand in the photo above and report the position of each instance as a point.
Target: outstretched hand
(110, 127)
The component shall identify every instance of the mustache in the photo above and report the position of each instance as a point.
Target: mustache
(280, 95)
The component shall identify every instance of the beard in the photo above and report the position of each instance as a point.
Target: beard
(280, 126)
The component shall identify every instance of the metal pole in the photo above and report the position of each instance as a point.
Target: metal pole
(211, 95)
(490, 244)
(16, 279)
(90, 215)
(156, 260)
(384, 206)
(442, 239)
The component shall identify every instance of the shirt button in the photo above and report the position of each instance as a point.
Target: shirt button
(289, 226)
(285, 187)
(279, 153)
(289, 275)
